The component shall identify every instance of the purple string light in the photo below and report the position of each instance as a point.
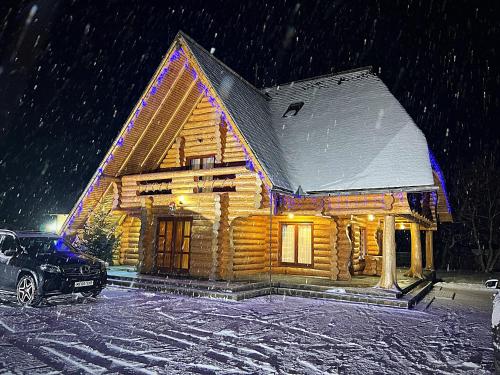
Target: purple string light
(203, 89)
(439, 172)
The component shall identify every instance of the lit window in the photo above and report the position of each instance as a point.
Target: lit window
(293, 109)
(206, 162)
(296, 244)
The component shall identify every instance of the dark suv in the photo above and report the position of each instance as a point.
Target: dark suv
(35, 265)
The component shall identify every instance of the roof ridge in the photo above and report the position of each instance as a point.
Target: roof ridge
(191, 40)
(327, 75)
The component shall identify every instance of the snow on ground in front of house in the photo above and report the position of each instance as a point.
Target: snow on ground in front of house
(131, 331)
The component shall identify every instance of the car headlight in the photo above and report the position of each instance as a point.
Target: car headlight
(50, 268)
(104, 265)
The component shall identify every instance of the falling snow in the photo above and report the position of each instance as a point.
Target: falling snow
(259, 336)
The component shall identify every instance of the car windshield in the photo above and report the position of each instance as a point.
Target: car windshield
(46, 245)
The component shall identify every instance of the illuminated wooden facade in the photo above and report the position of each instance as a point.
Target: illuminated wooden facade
(190, 197)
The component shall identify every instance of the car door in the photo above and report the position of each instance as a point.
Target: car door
(8, 268)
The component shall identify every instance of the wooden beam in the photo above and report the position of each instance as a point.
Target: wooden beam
(167, 94)
(179, 106)
(187, 173)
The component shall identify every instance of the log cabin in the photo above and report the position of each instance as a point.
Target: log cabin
(213, 178)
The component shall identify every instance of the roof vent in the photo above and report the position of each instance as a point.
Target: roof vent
(293, 109)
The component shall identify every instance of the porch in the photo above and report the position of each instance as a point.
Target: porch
(358, 290)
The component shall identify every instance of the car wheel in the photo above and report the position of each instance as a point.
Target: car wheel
(26, 291)
(91, 293)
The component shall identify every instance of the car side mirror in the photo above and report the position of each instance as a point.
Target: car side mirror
(9, 252)
(491, 284)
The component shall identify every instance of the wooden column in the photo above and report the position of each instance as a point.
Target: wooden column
(388, 278)
(416, 253)
(429, 250)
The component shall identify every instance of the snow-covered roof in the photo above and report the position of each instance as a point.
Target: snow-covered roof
(350, 134)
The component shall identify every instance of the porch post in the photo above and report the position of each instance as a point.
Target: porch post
(429, 250)
(388, 278)
(416, 252)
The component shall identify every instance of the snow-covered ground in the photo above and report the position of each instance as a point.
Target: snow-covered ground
(138, 332)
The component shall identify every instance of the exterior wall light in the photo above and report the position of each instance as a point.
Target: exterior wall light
(291, 216)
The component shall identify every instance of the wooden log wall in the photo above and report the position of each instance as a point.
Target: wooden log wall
(128, 253)
(250, 241)
(363, 204)
(249, 245)
(232, 150)
(175, 155)
(201, 135)
(346, 205)
(322, 251)
(205, 211)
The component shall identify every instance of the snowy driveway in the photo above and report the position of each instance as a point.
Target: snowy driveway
(137, 332)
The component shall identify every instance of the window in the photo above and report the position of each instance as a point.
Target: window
(296, 244)
(205, 162)
(8, 243)
(293, 109)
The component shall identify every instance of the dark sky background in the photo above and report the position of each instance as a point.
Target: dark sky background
(71, 71)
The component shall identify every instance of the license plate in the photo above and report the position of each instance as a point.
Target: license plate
(79, 284)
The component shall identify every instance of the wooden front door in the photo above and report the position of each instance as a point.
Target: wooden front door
(172, 244)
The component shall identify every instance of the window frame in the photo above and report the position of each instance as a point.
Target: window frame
(171, 267)
(296, 250)
(200, 178)
(199, 157)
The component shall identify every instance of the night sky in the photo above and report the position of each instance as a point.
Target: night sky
(71, 71)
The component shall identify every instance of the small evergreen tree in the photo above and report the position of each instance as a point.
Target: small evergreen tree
(99, 237)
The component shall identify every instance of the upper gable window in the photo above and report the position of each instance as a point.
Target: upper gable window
(293, 109)
(203, 162)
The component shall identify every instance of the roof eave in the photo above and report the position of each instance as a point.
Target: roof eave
(406, 189)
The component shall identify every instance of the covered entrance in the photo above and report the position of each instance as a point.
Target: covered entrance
(173, 241)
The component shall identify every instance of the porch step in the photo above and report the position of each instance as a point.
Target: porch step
(190, 283)
(419, 292)
(365, 291)
(192, 290)
(366, 295)
(240, 291)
